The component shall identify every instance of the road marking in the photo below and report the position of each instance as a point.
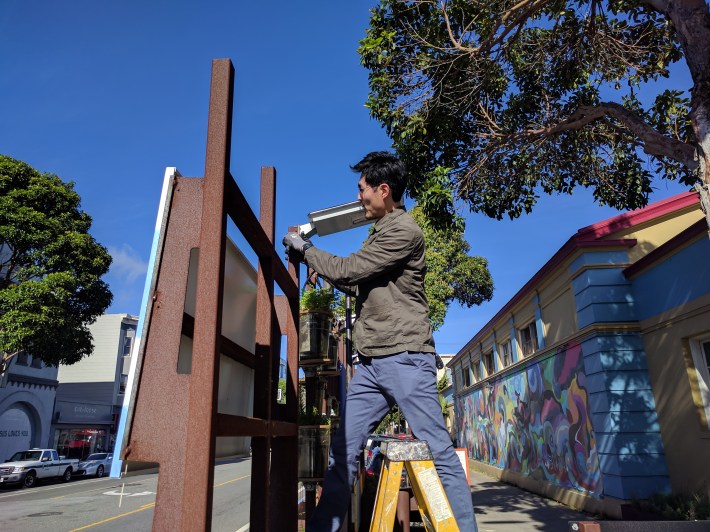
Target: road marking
(80, 492)
(244, 528)
(230, 481)
(124, 494)
(151, 505)
(144, 507)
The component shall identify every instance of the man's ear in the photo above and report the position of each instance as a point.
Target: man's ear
(386, 190)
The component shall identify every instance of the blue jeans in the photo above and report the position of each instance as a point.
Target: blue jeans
(409, 380)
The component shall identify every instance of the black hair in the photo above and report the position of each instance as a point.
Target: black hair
(380, 167)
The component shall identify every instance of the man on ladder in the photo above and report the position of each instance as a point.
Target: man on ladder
(393, 337)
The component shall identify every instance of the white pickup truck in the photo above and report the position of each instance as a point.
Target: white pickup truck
(29, 466)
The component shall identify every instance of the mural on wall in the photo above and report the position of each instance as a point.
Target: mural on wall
(535, 422)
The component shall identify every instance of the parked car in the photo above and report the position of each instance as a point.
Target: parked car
(29, 466)
(97, 464)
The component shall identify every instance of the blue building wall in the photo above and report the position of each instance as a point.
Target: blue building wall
(680, 278)
(621, 402)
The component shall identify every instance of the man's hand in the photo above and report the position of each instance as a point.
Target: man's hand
(296, 242)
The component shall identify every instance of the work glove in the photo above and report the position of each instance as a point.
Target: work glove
(296, 242)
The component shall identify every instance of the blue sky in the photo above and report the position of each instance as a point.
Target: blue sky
(108, 94)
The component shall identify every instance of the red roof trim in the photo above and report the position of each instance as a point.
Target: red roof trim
(629, 219)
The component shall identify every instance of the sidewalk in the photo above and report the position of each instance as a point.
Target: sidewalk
(501, 507)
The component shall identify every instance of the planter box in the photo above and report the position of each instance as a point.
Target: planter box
(314, 337)
(313, 449)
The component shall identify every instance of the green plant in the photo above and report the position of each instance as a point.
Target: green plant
(678, 506)
(306, 415)
(311, 417)
(318, 300)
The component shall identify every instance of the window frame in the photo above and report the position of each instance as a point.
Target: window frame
(122, 384)
(466, 376)
(488, 362)
(476, 367)
(505, 350)
(701, 361)
(531, 329)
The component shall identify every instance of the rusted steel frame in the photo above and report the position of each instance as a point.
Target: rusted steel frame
(243, 217)
(263, 389)
(229, 348)
(291, 319)
(162, 396)
(284, 451)
(229, 425)
(204, 379)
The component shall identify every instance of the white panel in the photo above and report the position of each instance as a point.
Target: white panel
(236, 397)
(239, 305)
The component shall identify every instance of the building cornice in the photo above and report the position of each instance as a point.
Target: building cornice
(40, 381)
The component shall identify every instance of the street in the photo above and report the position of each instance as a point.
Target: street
(108, 504)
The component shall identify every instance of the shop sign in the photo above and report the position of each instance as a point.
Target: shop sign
(83, 412)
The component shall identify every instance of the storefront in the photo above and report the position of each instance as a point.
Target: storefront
(82, 428)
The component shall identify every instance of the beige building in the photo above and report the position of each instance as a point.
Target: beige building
(591, 385)
(90, 392)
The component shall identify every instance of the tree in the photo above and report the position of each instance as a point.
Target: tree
(515, 98)
(50, 268)
(452, 274)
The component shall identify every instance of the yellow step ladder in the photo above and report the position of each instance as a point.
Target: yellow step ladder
(434, 507)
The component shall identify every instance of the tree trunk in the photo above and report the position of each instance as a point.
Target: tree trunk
(691, 19)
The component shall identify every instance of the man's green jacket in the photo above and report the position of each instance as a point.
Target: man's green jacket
(388, 273)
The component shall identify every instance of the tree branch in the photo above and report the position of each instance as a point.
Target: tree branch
(654, 143)
(659, 5)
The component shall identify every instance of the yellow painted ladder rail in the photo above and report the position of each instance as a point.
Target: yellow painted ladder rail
(434, 507)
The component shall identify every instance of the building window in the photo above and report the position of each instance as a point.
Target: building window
(488, 363)
(122, 384)
(466, 375)
(528, 339)
(127, 344)
(505, 354)
(477, 371)
(701, 358)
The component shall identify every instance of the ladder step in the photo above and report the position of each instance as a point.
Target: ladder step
(429, 493)
(404, 450)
